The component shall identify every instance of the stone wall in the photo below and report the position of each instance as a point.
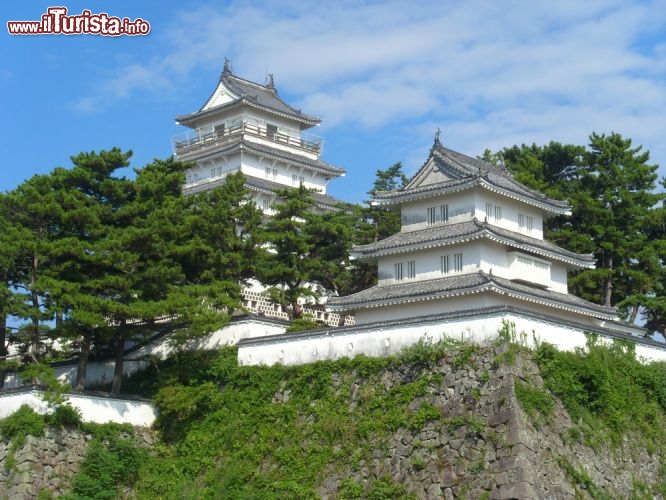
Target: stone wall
(47, 463)
(485, 446)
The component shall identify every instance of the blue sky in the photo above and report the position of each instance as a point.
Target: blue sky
(383, 76)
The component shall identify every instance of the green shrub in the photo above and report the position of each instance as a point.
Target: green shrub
(23, 422)
(302, 324)
(64, 415)
(536, 402)
(110, 463)
(607, 388)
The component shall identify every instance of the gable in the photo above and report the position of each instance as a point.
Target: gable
(221, 95)
(432, 172)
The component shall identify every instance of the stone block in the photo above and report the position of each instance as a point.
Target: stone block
(520, 490)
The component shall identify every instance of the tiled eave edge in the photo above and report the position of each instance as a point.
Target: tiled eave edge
(432, 190)
(331, 170)
(186, 120)
(438, 318)
(490, 286)
(358, 252)
(318, 203)
(199, 188)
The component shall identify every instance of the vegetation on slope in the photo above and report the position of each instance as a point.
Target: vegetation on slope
(245, 432)
(278, 432)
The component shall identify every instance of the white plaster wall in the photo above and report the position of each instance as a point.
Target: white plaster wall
(428, 263)
(510, 211)
(558, 277)
(426, 308)
(493, 257)
(414, 214)
(201, 172)
(256, 167)
(382, 341)
(97, 373)
(229, 335)
(93, 409)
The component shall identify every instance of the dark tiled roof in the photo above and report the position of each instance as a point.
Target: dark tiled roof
(271, 153)
(449, 234)
(464, 172)
(465, 284)
(266, 186)
(254, 95)
(263, 186)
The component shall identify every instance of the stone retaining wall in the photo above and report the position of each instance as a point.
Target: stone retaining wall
(47, 463)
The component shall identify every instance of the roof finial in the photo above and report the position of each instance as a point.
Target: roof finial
(227, 66)
(437, 136)
(270, 83)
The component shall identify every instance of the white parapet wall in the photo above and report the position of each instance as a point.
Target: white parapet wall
(231, 334)
(93, 408)
(98, 373)
(101, 372)
(390, 337)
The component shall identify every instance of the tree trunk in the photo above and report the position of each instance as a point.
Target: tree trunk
(3, 348)
(634, 313)
(297, 310)
(120, 353)
(82, 366)
(34, 338)
(607, 293)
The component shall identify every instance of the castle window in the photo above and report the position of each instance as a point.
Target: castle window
(521, 221)
(498, 213)
(530, 223)
(266, 205)
(489, 211)
(294, 180)
(271, 130)
(444, 213)
(432, 215)
(268, 172)
(457, 262)
(445, 267)
(212, 173)
(398, 272)
(301, 180)
(275, 174)
(411, 269)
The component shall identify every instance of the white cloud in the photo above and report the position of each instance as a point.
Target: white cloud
(491, 73)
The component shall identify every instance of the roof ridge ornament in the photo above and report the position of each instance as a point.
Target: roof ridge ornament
(436, 144)
(270, 82)
(228, 69)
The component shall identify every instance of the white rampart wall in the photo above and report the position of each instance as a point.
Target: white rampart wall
(93, 408)
(100, 373)
(382, 341)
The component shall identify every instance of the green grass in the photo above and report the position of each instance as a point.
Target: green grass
(271, 432)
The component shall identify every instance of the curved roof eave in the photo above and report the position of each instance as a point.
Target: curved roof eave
(581, 261)
(186, 120)
(433, 190)
(489, 283)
